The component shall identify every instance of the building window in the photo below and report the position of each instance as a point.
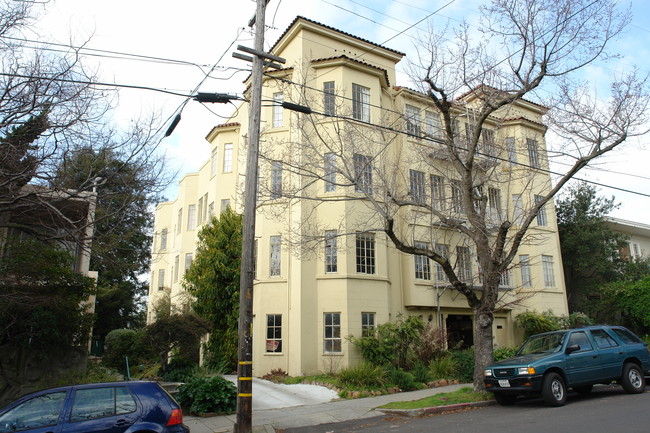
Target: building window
(517, 207)
(438, 192)
(176, 266)
(274, 333)
(278, 98)
(635, 251)
(161, 279)
(367, 324)
(331, 258)
(227, 158)
(224, 204)
(418, 187)
(494, 201)
(205, 207)
(332, 333)
(362, 173)
(211, 210)
(433, 125)
(464, 264)
(365, 251)
(413, 121)
(504, 281)
(191, 217)
(512, 150)
(213, 162)
(541, 214)
(329, 101)
(526, 276)
(533, 152)
(200, 214)
(456, 196)
(163, 239)
(275, 256)
(422, 264)
(441, 250)
(487, 136)
(188, 261)
(329, 166)
(547, 267)
(276, 179)
(360, 103)
(179, 223)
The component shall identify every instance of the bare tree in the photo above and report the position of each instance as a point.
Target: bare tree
(478, 82)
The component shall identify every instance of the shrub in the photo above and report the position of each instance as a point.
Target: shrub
(502, 353)
(464, 360)
(536, 323)
(203, 395)
(180, 369)
(443, 367)
(575, 320)
(122, 343)
(433, 343)
(402, 379)
(421, 373)
(364, 375)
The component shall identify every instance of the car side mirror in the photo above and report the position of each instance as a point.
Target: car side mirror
(572, 348)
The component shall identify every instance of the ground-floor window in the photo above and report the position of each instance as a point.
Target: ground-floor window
(332, 333)
(367, 324)
(274, 332)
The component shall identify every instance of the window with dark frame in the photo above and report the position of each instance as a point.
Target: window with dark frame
(332, 333)
(422, 263)
(367, 324)
(365, 253)
(274, 333)
(360, 103)
(331, 258)
(329, 98)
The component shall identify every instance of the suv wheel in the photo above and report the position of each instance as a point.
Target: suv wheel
(554, 390)
(633, 381)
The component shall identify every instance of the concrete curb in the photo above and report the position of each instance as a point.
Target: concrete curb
(435, 409)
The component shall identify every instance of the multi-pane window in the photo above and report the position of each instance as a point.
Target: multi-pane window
(533, 152)
(276, 179)
(422, 264)
(418, 187)
(456, 196)
(360, 103)
(464, 264)
(494, 200)
(332, 333)
(432, 124)
(274, 333)
(438, 192)
(329, 168)
(512, 150)
(211, 210)
(177, 261)
(442, 250)
(365, 253)
(227, 158)
(191, 217)
(275, 256)
(224, 204)
(163, 239)
(161, 279)
(526, 275)
(518, 207)
(188, 261)
(362, 173)
(329, 98)
(487, 136)
(541, 214)
(179, 221)
(547, 267)
(213, 162)
(331, 258)
(367, 324)
(413, 121)
(278, 98)
(504, 281)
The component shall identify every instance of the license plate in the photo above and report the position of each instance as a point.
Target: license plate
(504, 384)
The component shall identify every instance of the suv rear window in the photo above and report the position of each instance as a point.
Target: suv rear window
(603, 339)
(626, 336)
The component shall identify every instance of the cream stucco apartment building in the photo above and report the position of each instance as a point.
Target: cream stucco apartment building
(322, 272)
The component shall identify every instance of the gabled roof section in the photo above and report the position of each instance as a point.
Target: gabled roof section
(302, 22)
(354, 63)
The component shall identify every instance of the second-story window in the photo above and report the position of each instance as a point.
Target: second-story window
(275, 256)
(418, 186)
(163, 239)
(331, 259)
(191, 217)
(365, 253)
(329, 167)
(276, 179)
(329, 101)
(422, 264)
(362, 173)
(360, 103)
(413, 121)
(541, 215)
(227, 158)
(278, 98)
(533, 152)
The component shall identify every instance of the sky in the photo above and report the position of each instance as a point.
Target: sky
(130, 39)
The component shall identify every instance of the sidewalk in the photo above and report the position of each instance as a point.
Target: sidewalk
(266, 420)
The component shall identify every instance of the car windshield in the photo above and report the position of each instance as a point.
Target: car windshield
(543, 343)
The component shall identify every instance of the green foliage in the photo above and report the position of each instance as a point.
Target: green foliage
(213, 281)
(391, 343)
(464, 361)
(575, 320)
(203, 395)
(421, 373)
(93, 373)
(42, 298)
(362, 376)
(432, 343)
(628, 303)
(443, 367)
(121, 343)
(536, 323)
(181, 370)
(402, 379)
(501, 353)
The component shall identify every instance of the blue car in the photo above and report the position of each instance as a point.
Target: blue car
(112, 407)
(550, 363)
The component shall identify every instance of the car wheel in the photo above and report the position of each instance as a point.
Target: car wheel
(505, 399)
(633, 381)
(583, 389)
(554, 390)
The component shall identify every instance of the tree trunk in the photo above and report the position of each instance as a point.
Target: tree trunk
(483, 356)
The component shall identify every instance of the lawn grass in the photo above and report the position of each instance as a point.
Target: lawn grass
(463, 395)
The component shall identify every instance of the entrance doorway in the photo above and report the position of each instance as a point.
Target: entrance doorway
(459, 331)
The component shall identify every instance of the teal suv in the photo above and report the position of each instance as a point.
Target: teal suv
(550, 363)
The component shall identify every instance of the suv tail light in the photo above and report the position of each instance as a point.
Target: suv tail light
(176, 417)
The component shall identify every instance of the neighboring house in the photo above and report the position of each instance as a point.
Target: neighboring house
(308, 300)
(638, 234)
